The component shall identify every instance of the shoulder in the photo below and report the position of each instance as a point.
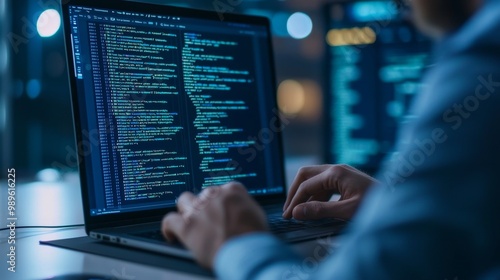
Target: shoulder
(466, 66)
(457, 111)
(478, 35)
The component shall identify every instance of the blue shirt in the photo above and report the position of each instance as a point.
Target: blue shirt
(436, 214)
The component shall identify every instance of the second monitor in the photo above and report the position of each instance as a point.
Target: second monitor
(376, 59)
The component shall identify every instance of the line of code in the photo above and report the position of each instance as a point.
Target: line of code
(209, 77)
(141, 84)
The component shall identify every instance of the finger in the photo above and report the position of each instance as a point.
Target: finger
(172, 226)
(185, 202)
(354, 170)
(235, 186)
(209, 193)
(351, 168)
(307, 189)
(320, 197)
(303, 174)
(315, 210)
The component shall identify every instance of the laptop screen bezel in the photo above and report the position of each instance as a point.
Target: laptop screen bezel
(120, 219)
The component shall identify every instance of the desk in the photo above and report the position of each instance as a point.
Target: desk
(60, 204)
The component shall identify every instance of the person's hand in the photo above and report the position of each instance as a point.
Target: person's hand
(309, 194)
(205, 222)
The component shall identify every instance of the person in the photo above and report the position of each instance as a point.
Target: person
(434, 211)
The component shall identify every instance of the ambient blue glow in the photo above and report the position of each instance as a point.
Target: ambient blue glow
(373, 11)
(18, 88)
(279, 24)
(4, 56)
(48, 23)
(259, 12)
(299, 25)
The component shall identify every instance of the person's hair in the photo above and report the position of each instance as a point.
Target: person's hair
(459, 10)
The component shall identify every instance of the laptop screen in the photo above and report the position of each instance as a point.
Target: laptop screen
(168, 104)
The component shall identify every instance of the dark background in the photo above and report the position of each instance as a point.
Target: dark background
(36, 124)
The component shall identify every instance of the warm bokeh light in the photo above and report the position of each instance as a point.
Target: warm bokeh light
(291, 97)
(351, 36)
(48, 23)
(313, 105)
(299, 25)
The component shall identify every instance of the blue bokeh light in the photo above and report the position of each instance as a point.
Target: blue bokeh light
(299, 25)
(33, 88)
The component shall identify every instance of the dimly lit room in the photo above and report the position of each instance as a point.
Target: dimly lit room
(249, 139)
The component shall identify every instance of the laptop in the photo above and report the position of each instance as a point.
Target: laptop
(167, 100)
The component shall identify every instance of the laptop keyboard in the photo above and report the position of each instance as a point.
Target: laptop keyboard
(153, 234)
(277, 225)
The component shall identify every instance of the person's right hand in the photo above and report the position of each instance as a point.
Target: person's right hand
(309, 195)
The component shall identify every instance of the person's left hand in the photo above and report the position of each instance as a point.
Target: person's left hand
(203, 223)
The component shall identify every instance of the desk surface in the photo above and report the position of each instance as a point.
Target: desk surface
(56, 204)
(34, 261)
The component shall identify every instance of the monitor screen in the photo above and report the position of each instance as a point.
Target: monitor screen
(376, 59)
(171, 103)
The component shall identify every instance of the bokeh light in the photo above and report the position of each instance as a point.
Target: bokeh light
(299, 25)
(291, 97)
(48, 175)
(351, 36)
(313, 105)
(48, 23)
(33, 88)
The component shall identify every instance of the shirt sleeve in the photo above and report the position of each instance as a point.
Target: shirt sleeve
(255, 256)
